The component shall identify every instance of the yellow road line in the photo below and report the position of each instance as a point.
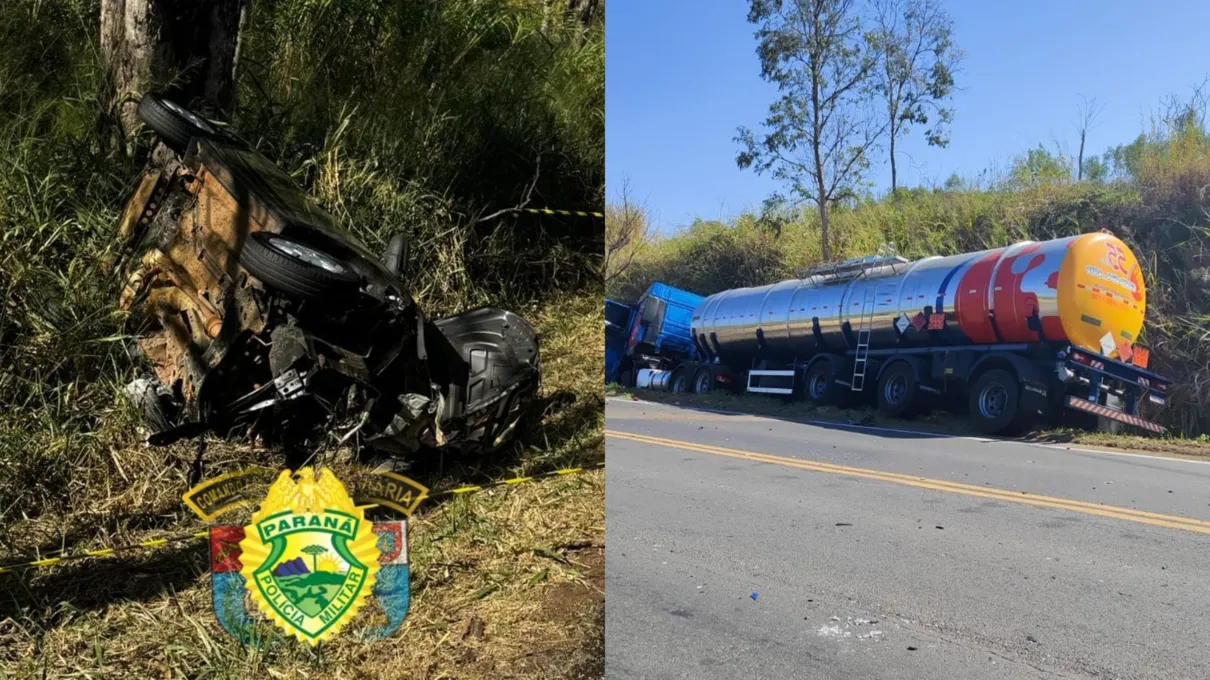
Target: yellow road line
(1114, 512)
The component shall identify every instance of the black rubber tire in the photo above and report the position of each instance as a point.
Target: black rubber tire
(626, 377)
(829, 392)
(172, 123)
(908, 404)
(285, 273)
(680, 383)
(701, 386)
(1011, 418)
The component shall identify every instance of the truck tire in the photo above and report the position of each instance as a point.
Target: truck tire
(703, 380)
(899, 391)
(296, 268)
(995, 403)
(626, 377)
(820, 385)
(680, 381)
(172, 123)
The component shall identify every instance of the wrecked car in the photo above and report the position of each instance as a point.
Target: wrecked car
(261, 316)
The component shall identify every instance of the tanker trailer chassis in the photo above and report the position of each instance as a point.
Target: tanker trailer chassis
(1010, 335)
(1005, 389)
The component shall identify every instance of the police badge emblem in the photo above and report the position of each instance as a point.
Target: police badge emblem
(309, 559)
(309, 556)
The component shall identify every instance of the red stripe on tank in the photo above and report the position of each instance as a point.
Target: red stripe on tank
(970, 302)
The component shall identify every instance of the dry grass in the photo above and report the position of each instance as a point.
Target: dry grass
(505, 583)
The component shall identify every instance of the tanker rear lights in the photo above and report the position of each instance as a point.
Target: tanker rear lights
(723, 379)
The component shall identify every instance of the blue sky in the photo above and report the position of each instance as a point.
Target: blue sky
(681, 75)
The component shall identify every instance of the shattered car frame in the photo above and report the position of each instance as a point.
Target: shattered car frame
(261, 316)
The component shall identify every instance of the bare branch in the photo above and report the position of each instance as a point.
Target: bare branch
(626, 234)
(529, 192)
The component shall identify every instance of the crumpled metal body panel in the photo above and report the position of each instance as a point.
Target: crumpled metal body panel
(233, 353)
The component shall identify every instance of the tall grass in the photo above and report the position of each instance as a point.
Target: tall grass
(1161, 210)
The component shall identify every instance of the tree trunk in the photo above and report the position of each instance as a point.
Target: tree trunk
(584, 11)
(894, 185)
(187, 49)
(1080, 161)
(823, 230)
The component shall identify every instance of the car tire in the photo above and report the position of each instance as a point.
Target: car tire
(175, 125)
(296, 268)
(703, 380)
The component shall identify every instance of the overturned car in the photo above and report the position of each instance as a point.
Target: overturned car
(262, 317)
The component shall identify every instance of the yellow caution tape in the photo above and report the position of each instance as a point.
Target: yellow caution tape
(197, 535)
(551, 211)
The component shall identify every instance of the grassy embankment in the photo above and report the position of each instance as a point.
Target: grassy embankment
(402, 116)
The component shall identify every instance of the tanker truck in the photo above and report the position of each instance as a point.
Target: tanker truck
(1014, 334)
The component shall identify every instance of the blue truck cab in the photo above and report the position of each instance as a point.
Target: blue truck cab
(655, 333)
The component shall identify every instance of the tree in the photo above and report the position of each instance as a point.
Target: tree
(818, 133)
(625, 234)
(1037, 167)
(585, 11)
(1086, 120)
(1095, 169)
(188, 48)
(917, 60)
(314, 551)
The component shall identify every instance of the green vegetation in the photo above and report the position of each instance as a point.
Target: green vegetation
(1156, 198)
(423, 117)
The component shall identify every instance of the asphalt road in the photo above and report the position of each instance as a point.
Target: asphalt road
(749, 547)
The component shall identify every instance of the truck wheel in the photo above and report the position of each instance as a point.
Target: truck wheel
(626, 377)
(296, 268)
(703, 380)
(680, 381)
(821, 388)
(174, 124)
(898, 391)
(995, 403)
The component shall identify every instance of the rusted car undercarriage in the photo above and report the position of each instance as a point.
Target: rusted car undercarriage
(262, 317)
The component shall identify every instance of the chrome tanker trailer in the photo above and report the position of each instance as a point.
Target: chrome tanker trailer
(1029, 330)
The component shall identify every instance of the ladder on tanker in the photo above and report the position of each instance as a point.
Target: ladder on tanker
(869, 301)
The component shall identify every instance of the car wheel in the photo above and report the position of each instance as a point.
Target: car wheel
(174, 124)
(703, 380)
(297, 268)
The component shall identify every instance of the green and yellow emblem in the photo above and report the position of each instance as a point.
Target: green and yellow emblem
(309, 556)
